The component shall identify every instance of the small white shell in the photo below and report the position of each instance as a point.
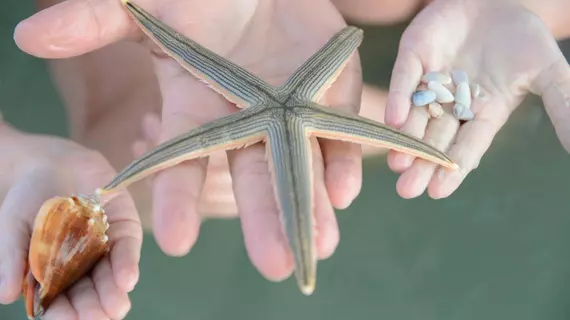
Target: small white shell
(459, 76)
(461, 112)
(475, 90)
(436, 76)
(463, 94)
(423, 97)
(442, 94)
(435, 110)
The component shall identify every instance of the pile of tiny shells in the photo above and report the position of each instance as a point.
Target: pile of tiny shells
(437, 92)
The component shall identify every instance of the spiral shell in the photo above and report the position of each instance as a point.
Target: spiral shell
(68, 238)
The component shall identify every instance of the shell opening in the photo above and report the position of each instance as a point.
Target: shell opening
(32, 301)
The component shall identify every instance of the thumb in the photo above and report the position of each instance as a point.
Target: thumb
(553, 84)
(17, 213)
(73, 27)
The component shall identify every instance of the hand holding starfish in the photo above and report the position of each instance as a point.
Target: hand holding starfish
(270, 39)
(284, 117)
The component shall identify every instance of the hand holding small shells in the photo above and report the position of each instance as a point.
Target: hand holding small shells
(460, 61)
(67, 255)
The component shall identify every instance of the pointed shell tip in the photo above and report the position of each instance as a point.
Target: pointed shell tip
(307, 289)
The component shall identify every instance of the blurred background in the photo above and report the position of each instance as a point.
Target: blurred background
(496, 249)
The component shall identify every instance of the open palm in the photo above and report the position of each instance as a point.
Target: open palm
(270, 39)
(37, 168)
(501, 46)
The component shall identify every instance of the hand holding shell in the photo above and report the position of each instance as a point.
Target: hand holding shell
(36, 207)
(68, 239)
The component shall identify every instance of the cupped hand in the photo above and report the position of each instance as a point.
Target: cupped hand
(270, 39)
(34, 168)
(501, 46)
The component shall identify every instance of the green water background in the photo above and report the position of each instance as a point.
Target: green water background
(497, 249)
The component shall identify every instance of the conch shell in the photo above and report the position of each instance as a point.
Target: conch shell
(68, 238)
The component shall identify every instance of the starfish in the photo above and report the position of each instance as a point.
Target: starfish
(283, 117)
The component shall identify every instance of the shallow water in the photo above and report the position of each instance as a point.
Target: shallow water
(496, 249)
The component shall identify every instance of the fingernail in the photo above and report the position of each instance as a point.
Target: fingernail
(128, 280)
(138, 148)
(352, 190)
(396, 119)
(441, 175)
(124, 311)
(131, 281)
(151, 127)
(4, 299)
(20, 27)
(404, 160)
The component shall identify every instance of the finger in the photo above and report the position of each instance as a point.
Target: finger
(473, 140)
(139, 147)
(218, 195)
(440, 133)
(85, 300)
(343, 160)
(125, 238)
(125, 230)
(373, 102)
(265, 242)
(177, 190)
(415, 125)
(406, 76)
(20, 206)
(373, 106)
(14, 243)
(73, 27)
(327, 235)
(60, 309)
(151, 128)
(554, 86)
(114, 301)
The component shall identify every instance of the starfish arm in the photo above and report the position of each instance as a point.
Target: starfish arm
(289, 155)
(228, 79)
(236, 130)
(318, 73)
(340, 125)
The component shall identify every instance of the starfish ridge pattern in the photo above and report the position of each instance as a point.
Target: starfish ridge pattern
(283, 117)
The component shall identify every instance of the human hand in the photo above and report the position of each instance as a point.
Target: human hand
(504, 48)
(268, 38)
(34, 168)
(217, 199)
